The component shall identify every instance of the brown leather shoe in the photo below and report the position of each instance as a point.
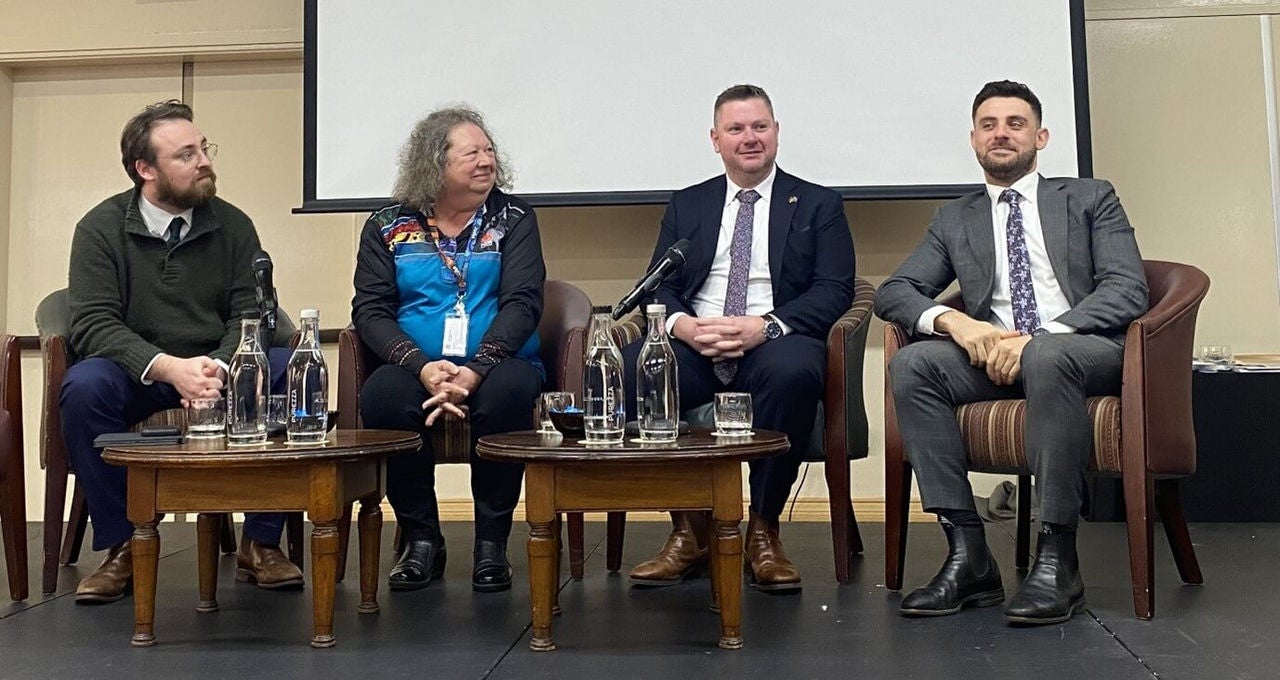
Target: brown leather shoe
(765, 563)
(684, 555)
(112, 578)
(266, 565)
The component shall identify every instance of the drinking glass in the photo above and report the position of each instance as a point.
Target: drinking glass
(558, 402)
(1216, 354)
(277, 414)
(206, 418)
(733, 414)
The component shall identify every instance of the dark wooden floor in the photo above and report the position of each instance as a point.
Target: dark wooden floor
(1224, 629)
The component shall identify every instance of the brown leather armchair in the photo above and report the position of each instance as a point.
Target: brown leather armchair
(53, 321)
(564, 308)
(1144, 436)
(839, 433)
(13, 498)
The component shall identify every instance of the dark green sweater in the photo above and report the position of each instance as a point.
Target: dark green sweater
(132, 298)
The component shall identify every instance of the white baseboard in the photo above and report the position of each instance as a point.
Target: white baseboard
(806, 510)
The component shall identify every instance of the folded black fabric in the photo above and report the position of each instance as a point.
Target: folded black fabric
(134, 439)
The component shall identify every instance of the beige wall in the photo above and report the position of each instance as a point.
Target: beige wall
(1179, 118)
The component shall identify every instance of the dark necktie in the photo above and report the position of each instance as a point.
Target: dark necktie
(175, 232)
(735, 295)
(1026, 317)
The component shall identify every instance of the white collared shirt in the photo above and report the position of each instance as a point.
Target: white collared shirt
(709, 300)
(157, 219)
(1051, 301)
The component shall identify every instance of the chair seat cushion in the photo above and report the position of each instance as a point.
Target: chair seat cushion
(993, 432)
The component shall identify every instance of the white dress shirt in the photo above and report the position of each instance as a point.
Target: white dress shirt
(1051, 302)
(709, 300)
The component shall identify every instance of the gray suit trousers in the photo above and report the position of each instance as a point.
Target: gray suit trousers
(931, 378)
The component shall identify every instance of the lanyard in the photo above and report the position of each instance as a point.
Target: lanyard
(450, 262)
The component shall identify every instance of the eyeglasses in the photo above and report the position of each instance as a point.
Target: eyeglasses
(188, 156)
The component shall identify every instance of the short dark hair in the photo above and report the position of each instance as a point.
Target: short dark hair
(135, 140)
(1007, 88)
(737, 93)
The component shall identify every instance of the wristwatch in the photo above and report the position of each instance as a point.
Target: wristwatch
(772, 329)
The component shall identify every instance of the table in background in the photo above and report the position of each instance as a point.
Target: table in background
(208, 476)
(695, 472)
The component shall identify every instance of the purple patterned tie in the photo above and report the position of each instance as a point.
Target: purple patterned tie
(735, 294)
(1026, 317)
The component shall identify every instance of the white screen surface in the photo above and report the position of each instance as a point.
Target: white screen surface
(599, 98)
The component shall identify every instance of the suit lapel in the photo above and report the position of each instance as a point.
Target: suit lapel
(1053, 224)
(708, 233)
(781, 210)
(982, 240)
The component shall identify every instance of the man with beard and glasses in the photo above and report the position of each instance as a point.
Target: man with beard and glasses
(160, 277)
(1050, 276)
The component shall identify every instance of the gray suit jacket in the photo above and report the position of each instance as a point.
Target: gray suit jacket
(1090, 244)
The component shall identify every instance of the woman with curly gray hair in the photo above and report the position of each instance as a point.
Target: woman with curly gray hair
(449, 294)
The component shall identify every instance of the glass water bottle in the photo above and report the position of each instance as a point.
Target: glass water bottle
(657, 381)
(308, 378)
(248, 381)
(604, 411)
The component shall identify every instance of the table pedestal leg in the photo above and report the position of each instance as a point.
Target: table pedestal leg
(558, 531)
(324, 574)
(146, 555)
(370, 544)
(726, 514)
(208, 533)
(542, 583)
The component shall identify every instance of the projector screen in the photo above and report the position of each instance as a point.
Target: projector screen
(610, 102)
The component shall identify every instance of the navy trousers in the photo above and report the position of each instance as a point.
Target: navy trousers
(785, 378)
(98, 397)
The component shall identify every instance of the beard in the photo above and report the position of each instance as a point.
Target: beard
(1008, 169)
(194, 196)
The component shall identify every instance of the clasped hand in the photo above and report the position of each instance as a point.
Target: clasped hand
(449, 385)
(720, 337)
(998, 351)
(193, 378)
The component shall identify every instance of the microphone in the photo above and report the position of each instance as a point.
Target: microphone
(264, 291)
(672, 261)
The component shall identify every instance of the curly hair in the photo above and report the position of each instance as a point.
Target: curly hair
(423, 156)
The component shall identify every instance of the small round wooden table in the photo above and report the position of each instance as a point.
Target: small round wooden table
(695, 472)
(208, 476)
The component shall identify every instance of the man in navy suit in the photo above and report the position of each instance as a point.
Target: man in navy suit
(1051, 276)
(770, 270)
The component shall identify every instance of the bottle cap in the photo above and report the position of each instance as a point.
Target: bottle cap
(310, 314)
(655, 309)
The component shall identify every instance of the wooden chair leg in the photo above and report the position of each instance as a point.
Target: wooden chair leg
(841, 506)
(344, 539)
(294, 538)
(1169, 503)
(13, 528)
(55, 503)
(1139, 503)
(1023, 525)
(77, 524)
(897, 505)
(227, 533)
(614, 533)
(855, 537)
(576, 545)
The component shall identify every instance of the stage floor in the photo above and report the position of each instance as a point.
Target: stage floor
(1223, 629)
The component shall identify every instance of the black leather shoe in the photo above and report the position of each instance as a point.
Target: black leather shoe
(1053, 590)
(492, 572)
(420, 562)
(969, 577)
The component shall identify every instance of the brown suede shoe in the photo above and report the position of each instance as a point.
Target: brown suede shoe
(111, 579)
(684, 555)
(266, 565)
(765, 563)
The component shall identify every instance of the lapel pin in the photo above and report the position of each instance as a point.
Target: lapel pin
(792, 199)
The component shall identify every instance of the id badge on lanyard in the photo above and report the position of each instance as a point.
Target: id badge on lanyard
(455, 330)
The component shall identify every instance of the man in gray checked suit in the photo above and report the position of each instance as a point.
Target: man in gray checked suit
(1050, 276)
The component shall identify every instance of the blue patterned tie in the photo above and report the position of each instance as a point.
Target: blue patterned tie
(735, 295)
(175, 233)
(1026, 317)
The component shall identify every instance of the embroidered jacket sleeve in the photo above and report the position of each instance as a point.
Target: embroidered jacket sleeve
(519, 292)
(376, 301)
